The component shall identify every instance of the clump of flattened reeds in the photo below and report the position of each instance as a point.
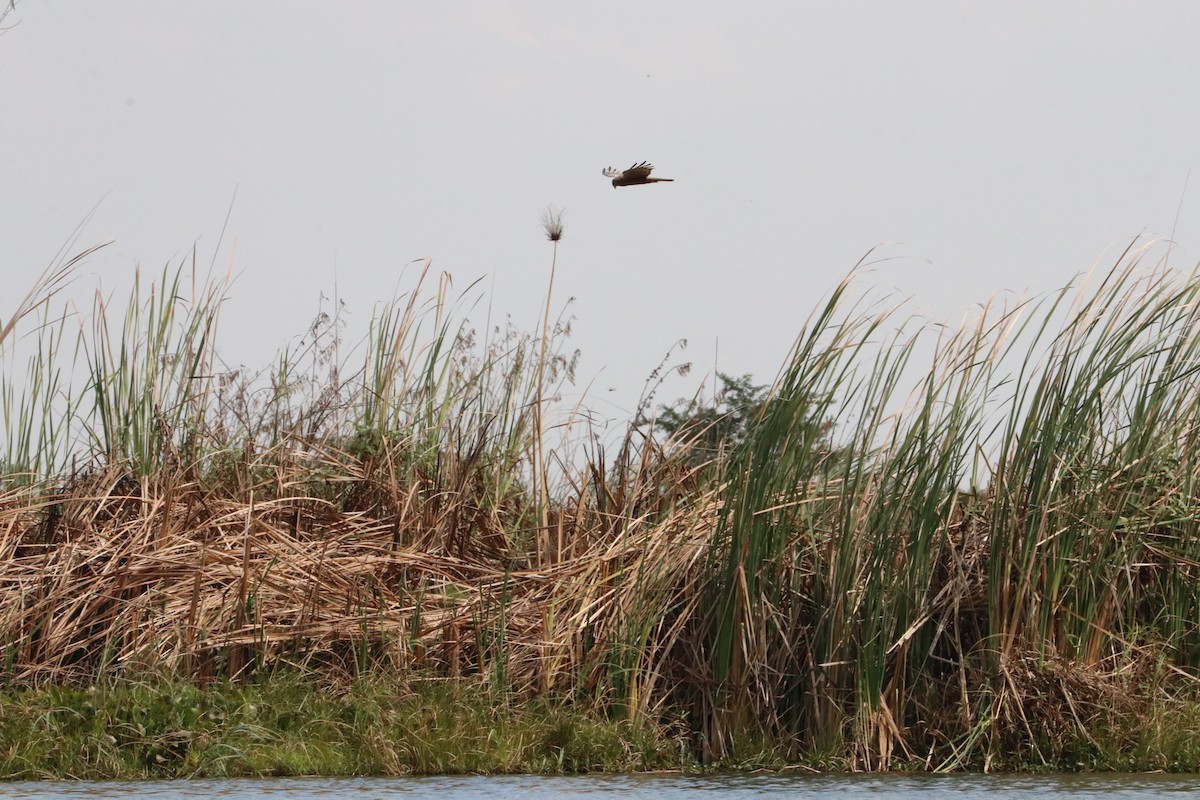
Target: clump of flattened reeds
(334, 516)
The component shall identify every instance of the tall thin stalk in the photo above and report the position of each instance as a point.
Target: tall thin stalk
(552, 224)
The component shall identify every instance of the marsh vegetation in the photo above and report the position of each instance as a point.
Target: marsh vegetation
(920, 546)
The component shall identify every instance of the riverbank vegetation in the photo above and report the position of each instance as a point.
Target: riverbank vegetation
(920, 547)
(289, 724)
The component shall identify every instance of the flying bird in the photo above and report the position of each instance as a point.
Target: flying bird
(635, 175)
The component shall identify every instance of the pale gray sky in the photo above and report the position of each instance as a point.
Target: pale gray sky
(998, 146)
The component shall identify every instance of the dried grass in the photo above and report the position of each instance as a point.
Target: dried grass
(113, 572)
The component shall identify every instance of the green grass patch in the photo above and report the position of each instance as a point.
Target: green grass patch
(295, 725)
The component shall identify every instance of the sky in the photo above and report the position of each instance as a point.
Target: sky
(978, 148)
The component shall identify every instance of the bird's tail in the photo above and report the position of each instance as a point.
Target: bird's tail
(659, 180)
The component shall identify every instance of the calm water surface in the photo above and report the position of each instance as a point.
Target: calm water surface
(649, 787)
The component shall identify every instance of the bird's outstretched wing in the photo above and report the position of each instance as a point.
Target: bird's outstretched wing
(636, 174)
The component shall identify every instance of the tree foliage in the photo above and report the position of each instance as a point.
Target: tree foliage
(713, 428)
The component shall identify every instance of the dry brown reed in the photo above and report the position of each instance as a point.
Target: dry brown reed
(114, 572)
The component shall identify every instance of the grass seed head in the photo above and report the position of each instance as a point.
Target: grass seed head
(552, 223)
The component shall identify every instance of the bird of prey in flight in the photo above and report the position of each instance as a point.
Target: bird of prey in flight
(634, 176)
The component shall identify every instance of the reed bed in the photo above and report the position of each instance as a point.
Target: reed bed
(932, 547)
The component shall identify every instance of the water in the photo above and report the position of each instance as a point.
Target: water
(639, 787)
